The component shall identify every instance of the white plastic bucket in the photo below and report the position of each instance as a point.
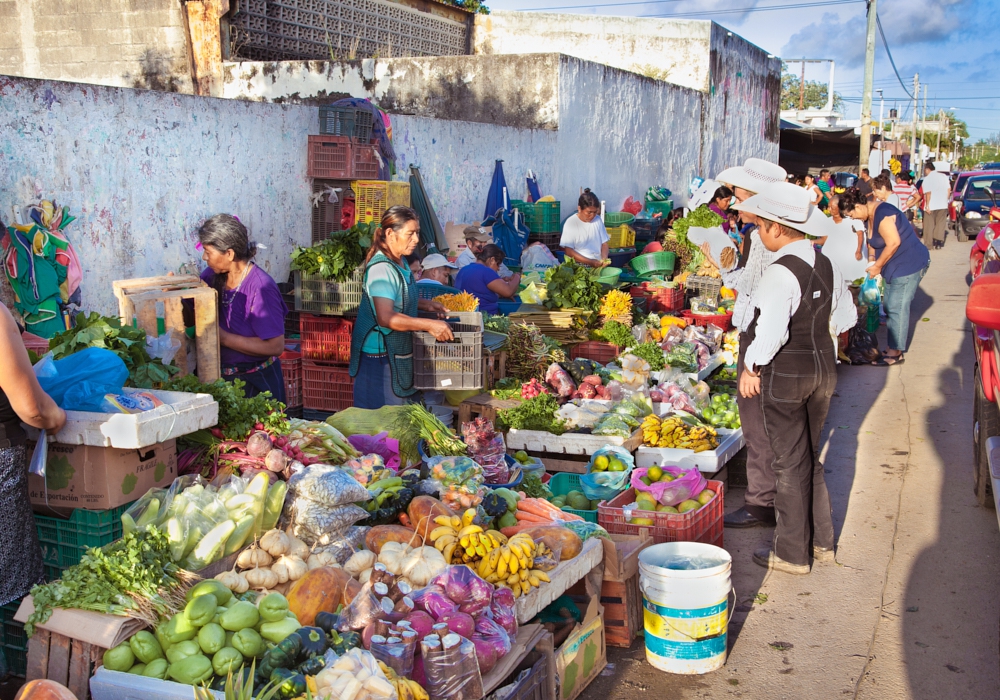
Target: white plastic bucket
(685, 611)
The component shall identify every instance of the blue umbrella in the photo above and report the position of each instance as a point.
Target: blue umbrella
(495, 199)
(533, 187)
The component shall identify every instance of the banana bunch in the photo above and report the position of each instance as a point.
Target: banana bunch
(511, 565)
(545, 558)
(677, 433)
(463, 542)
(406, 689)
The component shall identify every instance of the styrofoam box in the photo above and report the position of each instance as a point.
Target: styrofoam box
(115, 685)
(567, 443)
(709, 461)
(562, 578)
(181, 413)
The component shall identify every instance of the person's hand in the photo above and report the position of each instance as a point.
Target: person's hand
(857, 255)
(749, 384)
(60, 421)
(440, 330)
(603, 263)
(438, 308)
(874, 270)
(706, 250)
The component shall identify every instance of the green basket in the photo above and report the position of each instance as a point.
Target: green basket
(65, 541)
(540, 217)
(561, 484)
(618, 218)
(13, 640)
(663, 208)
(609, 275)
(661, 262)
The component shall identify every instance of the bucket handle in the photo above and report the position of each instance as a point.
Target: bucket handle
(732, 592)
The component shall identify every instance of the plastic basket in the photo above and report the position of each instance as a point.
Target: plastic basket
(430, 291)
(64, 541)
(364, 163)
(291, 370)
(662, 208)
(508, 307)
(540, 217)
(13, 640)
(36, 344)
(372, 198)
(664, 299)
(551, 240)
(621, 237)
(327, 215)
(316, 295)
(660, 263)
(621, 258)
(618, 218)
(449, 366)
(326, 387)
(595, 350)
(609, 275)
(872, 319)
(723, 321)
(329, 157)
(645, 229)
(292, 317)
(702, 525)
(562, 483)
(705, 287)
(326, 338)
(346, 121)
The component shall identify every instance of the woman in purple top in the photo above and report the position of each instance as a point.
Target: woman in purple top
(251, 310)
(720, 203)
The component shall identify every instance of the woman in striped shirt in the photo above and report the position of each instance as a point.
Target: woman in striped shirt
(905, 190)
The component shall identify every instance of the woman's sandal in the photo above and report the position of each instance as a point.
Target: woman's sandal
(890, 360)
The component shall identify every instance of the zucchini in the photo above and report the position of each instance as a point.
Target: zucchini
(274, 503)
(177, 538)
(211, 545)
(243, 529)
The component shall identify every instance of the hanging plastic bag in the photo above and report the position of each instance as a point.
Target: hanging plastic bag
(871, 292)
(40, 455)
(80, 381)
(537, 258)
(532, 294)
(687, 484)
(602, 483)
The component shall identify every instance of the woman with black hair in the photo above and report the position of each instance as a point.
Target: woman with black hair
(251, 310)
(584, 237)
(482, 279)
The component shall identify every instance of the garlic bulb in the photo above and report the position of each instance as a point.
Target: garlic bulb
(298, 548)
(360, 561)
(319, 559)
(235, 582)
(275, 543)
(253, 558)
(261, 578)
(392, 555)
(290, 568)
(364, 575)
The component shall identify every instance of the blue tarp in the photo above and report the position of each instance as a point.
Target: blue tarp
(495, 198)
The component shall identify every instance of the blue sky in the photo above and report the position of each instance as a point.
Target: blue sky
(953, 44)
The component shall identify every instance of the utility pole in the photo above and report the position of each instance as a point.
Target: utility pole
(802, 87)
(940, 122)
(866, 96)
(923, 123)
(913, 137)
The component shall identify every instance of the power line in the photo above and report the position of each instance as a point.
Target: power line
(737, 10)
(885, 43)
(599, 5)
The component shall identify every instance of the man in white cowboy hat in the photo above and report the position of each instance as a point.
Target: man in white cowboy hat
(437, 270)
(791, 364)
(743, 274)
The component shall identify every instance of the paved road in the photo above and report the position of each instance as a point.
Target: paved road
(911, 609)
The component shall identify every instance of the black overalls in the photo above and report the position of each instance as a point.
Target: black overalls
(795, 390)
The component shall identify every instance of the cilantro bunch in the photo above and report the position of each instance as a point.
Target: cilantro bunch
(618, 334)
(238, 415)
(651, 353)
(337, 257)
(538, 413)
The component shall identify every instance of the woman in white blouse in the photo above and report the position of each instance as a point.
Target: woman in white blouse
(584, 237)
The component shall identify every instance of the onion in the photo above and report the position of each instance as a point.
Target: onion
(259, 445)
(276, 460)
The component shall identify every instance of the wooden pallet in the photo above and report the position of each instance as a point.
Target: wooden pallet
(494, 367)
(483, 405)
(138, 300)
(68, 661)
(622, 603)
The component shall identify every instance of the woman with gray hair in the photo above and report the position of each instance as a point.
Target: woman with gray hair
(251, 310)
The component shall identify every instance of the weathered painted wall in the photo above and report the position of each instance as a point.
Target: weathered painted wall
(125, 43)
(141, 169)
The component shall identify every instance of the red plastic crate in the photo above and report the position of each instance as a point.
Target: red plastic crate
(326, 338)
(329, 157)
(663, 300)
(291, 369)
(326, 387)
(33, 342)
(702, 525)
(723, 321)
(364, 162)
(596, 351)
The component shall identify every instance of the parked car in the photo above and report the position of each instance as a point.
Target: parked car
(975, 205)
(958, 190)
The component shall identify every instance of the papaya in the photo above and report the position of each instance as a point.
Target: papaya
(321, 590)
(422, 511)
(44, 690)
(558, 539)
(380, 534)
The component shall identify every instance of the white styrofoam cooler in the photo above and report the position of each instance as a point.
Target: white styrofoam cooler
(115, 685)
(710, 461)
(567, 443)
(181, 413)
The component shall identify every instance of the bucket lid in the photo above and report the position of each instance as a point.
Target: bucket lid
(652, 559)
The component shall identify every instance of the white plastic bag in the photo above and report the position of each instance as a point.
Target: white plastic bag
(537, 258)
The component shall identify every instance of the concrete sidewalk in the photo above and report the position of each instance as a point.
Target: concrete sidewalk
(911, 608)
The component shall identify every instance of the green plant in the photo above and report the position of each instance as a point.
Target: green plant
(617, 334)
(702, 217)
(337, 257)
(572, 286)
(651, 353)
(538, 413)
(238, 415)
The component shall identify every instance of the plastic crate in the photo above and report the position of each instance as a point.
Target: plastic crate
(35, 343)
(532, 686)
(723, 321)
(551, 240)
(617, 218)
(702, 525)
(329, 158)
(64, 541)
(327, 216)
(430, 291)
(364, 162)
(621, 237)
(315, 416)
(659, 263)
(326, 387)
(663, 208)
(705, 287)
(645, 229)
(326, 338)
(665, 300)
(13, 640)
(595, 350)
(564, 482)
(872, 319)
(291, 370)
(540, 217)
(353, 123)
(450, 366)
(316, 295)
(621, 258)
(374, 197)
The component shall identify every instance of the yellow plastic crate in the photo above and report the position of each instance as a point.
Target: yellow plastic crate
(374, 197)
(621, 236)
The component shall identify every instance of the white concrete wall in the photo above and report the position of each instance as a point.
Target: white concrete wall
(140, 170)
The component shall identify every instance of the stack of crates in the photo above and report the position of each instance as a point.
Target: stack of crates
(543, 220)
(327, 386)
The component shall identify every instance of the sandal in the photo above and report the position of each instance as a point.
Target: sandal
(890, 360)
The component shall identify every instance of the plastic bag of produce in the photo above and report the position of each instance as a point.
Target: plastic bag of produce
(711, 335)
(382, 445)
(492, 643)
(451, 668)
(559, 379)
(459, 480)
(395, 653)
(486, 447)
(604, 479)
(327, 485)
(145, 512)
(344, 547)
(502, 608)
(355, 675)
(537, 258)
(586, 530)
(613, 425)
(80, 381)
(871, 291)
(319, 524)
(687, 484)
(533, 294)
(464, 587)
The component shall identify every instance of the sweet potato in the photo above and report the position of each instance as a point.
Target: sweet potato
(557, 538)
(423, 510)
(380, 534)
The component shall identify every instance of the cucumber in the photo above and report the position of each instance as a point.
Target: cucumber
(211, 545)
(243, 529)
(273, 505)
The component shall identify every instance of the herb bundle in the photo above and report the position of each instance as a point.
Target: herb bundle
(337, 257)
(238, 415)
(572, 286)
(538, 413)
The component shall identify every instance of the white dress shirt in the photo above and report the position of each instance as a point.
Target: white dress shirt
(779, 298)
(746, 280)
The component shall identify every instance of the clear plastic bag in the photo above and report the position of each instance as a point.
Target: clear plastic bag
(451, 669)
(362, 611)
(559, 379)
(432, 599)
(397, 656)
(464, 587)
(586, 530)
(459, 481)
(317, 523)
(341, 678)
(492, 643)
(687, 484)
(487, 449)
(344, 547)
(550, 559)
(502, 608)
(330, 486)
(612, 425)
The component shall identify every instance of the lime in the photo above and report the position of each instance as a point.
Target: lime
(616, 465)
(600, 463)
(654, 473)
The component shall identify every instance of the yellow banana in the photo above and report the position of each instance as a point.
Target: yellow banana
(444, 520)
(456, 522)
(514, 564)
(441, 531)
(442, 542)
(523, 574)
(468, 516)
(534, 580)
(418, 690)
(480, 550)
(540, 575)
(525, 587)
(513, 580)
(502, 564)
(449, 551)
(469, 530)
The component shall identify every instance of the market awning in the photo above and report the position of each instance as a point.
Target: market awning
(803, 147)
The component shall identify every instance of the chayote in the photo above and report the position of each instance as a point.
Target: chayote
(157, 668)
(191, 670)
(211, 638)
(182, 650)
(249, 643)
(222, 594)
(273, 607)
(276, 631)
(225, 660)
(119, 658)
(138, 669)
(240, 616)
(145, 647)
(201, 610)
(177, 629)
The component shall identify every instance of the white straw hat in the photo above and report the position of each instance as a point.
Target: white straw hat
(437, 260)
(754, 175)
(791, 206)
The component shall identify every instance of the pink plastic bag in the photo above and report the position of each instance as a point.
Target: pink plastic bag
(632, 206)
(688, 484)
(465, 588)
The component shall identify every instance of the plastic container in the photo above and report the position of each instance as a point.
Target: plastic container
(291, 371)
(326, 338)
(116, 685)
(663, 208)
(429, 291)
(326, 387)
(453, 365)
(645, 230)
(618, 218)
(549, 240)
(702, 525)
(508, 307)
(540, 217)
(353, 123)
(621, 257)
(659, 263)
(609, 275)
(723, 321)
(372, 198)
(329, 158)
(64, 541)
(704, 287)
(595, 350)
(872, 320)
(327, 298)
(621, 236)
(708, 462)
(562, 483)
(665, 299)
(686, 611)
(364, 162)
(13, 640)
(326, 214)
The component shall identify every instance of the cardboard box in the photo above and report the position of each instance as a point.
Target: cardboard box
(582, 657)
(621, 555)
(100, 478)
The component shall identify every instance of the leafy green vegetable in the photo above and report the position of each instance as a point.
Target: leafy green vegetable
(538, 413)
(683, 356)
(337, 257)
(497, 324)
(572, 286)
(651, 353)
(237, 414)
(129, 343)
(617, 334)
(534, 487)
(702, 217)
(507, 388)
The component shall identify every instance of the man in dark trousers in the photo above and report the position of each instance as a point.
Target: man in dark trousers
(791, 363)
